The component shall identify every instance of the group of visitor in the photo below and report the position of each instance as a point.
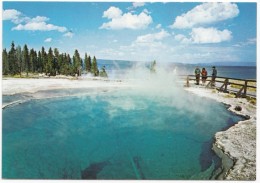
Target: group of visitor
(204, 75)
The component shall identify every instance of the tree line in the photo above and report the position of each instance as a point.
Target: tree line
(24, 60)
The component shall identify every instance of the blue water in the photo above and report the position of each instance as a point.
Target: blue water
(239, 72)
(112, 135)
(117, 69)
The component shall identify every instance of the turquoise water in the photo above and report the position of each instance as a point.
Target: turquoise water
(112, 135)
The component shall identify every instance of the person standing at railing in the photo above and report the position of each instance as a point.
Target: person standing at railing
(214, 75)
(197, 74)
(204, 75)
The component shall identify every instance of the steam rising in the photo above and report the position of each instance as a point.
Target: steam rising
(164, 87)
(158, 101)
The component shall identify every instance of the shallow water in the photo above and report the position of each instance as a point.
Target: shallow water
(112, 135)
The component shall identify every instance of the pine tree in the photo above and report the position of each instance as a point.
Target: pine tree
(103, 72)
(44, 60)
(62, 64)
(5, 62)
(153, 67)
(87, 63)
(69, 67)
(49, 65)
(39, 62)
(19, 57)
(77, 63)
(33, 61)
(12, 60)
(56, 61)
(26, 59)
(94, 68)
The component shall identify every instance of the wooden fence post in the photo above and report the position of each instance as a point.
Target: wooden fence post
(224, 85)
(245, 89)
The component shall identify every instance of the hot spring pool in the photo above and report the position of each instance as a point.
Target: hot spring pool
(112, 135)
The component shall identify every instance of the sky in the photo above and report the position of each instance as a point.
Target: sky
(183, 32)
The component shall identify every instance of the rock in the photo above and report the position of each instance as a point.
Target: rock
(238, 108)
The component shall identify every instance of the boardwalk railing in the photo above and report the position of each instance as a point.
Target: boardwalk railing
(241, 87)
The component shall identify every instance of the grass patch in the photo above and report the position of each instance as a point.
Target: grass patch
(214, 91)
(230, 95)
(234, 82)
(23, 75)
(251, 100)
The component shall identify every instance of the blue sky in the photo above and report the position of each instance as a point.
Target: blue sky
(167, 32)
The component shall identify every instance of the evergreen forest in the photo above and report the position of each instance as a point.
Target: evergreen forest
(22, 61)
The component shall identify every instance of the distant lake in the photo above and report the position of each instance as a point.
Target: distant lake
(117, 69)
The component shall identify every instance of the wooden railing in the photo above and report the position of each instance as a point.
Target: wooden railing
(241, 87)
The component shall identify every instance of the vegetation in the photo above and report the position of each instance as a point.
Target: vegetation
(18, 61)
(87, 63)
(252, 100)
(94, 68)
(230, 95)
(153, 67)
(234, 82)
(103, 72)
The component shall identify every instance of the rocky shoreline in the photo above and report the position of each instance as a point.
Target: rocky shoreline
(238, 143)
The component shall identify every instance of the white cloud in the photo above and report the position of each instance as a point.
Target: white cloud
(210, 35)
(112, 12)
(11, 14)
(205, 35)
(151, 44)
(48, 40)
(135, 51)
(148, 38)
(39, 19)
(37, 23)
(138, 4)
(146, 11)
(15, 16)
(158, 26)
(125, 21)
(248, 42)
(251, 41)
(39, 26)
(206, 13)
(181, 38)
(68, 34)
